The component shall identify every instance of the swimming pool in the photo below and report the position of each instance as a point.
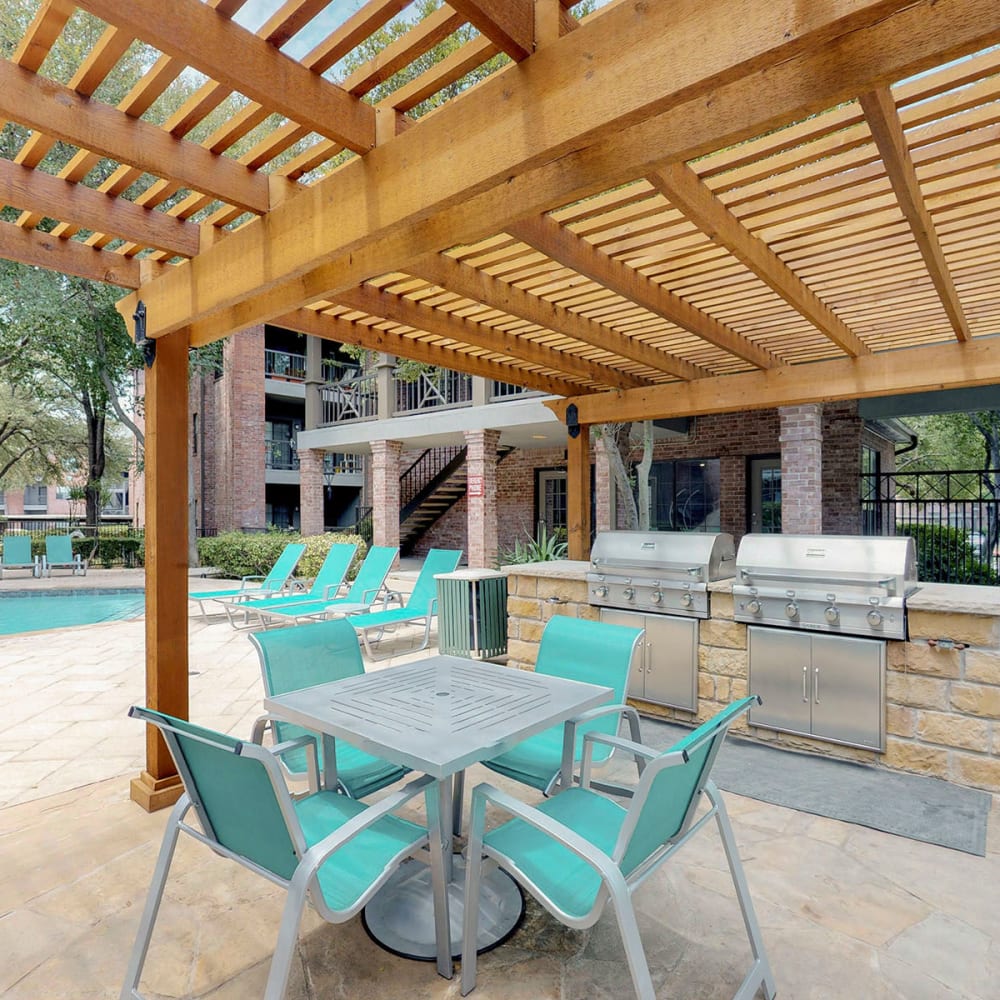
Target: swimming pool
(33, 611)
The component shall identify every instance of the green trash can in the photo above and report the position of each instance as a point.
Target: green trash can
(472, 613)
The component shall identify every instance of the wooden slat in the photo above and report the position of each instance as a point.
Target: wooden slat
(465, 331)
(883, 119)
(510, 24)
(68, 256)
(686, 192)
(561, 244)
(919, 369)
(243, 62)
(376, 338)
(499, 162)
(482, 287)
(49, 107)
(59, 199)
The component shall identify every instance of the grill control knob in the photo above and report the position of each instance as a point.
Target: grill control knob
(832, 615)
(791, 610)
(874, 618)
(753, 606)
(687, 600)
(656, 597)
(629, 593)
(601, 591)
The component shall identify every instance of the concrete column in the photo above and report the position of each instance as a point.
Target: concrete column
(801, 440)
(385, 492)
(314, 382)
(481, 494)
(385, 386)
(604, 494)
(480, 391)
(311, 491)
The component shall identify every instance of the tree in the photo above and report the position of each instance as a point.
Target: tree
(35, 432)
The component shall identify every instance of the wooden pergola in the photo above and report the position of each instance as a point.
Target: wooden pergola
(664, 209)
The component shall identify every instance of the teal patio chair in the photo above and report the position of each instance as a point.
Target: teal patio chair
(17, 555)
(256, 586)
(420, 606)
(325, 848)
(363, 592)
(578, 650)
(324, 588)
(315, 653)
(59, 554)
(579, 850)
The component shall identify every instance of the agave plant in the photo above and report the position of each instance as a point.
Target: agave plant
(545, 548)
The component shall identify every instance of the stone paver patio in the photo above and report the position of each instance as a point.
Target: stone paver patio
(846, 912)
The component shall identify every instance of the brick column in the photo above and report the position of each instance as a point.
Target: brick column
(801, 440)
(311, 491)
(604, 519)
(481, 466)
(385, 492)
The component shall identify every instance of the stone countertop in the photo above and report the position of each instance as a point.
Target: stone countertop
(559, 569)
(956, 598)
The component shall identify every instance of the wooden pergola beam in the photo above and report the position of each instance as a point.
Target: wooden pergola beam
(375, 338)
(563, 245)
(887, 131)
(58, 111)
(344, 229)
(398, 309)
(29, 246)
(917, 369)
(44, 194)
(479, 286)
(228, 53)
(509, 24)
(695, 200)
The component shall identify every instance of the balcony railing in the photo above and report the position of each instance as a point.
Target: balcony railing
(280, 455)
(339, 464)
(351, 400)
(435, 389)
(281, 364)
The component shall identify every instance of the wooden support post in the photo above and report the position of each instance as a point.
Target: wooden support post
(578, 493)
(159, 785)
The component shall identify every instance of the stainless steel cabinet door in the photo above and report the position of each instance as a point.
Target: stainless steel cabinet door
(781, 675)
(636, 687)
(847, 704)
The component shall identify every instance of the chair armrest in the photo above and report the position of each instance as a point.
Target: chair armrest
(640, 753)
(312, 758)
(260, 725)
(582, 848)
(330, 591)
(569, 736)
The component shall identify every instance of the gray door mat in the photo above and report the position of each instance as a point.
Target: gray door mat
(908, 805)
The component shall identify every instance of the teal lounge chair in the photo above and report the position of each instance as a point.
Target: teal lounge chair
(420, 607)
(59, 554)
(315, 653)
(579, 650)
(17, 555)
(266, 586)
(324, 588)
(325, 848)
(579, 850)
(362, 594)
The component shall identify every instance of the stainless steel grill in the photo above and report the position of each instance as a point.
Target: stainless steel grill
(844, 584)
(663, 572)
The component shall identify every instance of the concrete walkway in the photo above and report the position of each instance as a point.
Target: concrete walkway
(847, 913)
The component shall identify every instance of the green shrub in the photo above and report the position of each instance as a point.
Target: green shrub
(545, 548)
(236, 554)
(945, 555)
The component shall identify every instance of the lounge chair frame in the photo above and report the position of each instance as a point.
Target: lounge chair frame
(16, 560)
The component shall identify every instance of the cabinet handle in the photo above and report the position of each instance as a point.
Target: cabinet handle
(805, 684)
(816, 685)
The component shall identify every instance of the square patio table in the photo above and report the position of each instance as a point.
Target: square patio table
(437, 715)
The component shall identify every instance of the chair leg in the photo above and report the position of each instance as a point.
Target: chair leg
(288, 935)
(144, 934)
(635, 955)
(760, 974)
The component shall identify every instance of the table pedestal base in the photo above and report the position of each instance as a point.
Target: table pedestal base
(400, 916)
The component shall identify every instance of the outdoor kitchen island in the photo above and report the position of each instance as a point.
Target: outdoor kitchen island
(942, 684)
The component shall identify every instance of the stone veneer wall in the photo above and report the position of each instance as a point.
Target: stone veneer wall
(943, 704)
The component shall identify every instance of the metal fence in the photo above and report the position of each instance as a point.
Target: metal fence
(108, 545)
(952, 515)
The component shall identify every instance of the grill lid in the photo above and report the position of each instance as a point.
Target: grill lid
(696, 556)
(883, 564)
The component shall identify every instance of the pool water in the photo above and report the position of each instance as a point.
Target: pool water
(32, 611)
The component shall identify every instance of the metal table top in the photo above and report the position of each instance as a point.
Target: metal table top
(440, 714)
